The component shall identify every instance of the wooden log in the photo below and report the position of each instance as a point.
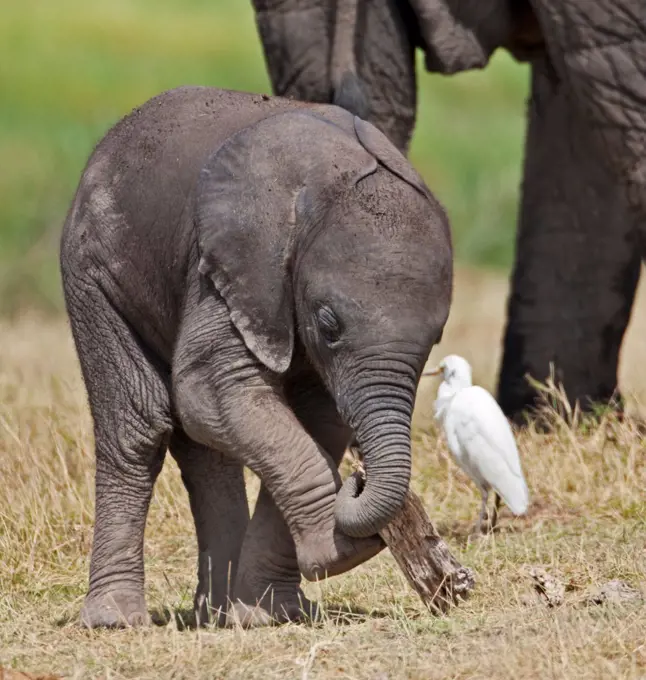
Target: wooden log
(424, 557)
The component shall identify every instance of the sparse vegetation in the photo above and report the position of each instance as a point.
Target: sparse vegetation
(586, 526)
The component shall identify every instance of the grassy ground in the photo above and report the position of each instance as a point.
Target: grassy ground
(586, 525)
(70, 69)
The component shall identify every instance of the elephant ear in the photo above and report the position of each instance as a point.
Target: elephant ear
(247, 218)
(379, 146)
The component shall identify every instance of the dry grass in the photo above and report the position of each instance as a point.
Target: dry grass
(587, 525)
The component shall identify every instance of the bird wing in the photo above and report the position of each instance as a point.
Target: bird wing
(488, 442)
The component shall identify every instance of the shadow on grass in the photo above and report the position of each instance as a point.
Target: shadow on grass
(185, 620)
(338, 614)
(540, 511)
(184, 617)
(347, 614)
(67, 620)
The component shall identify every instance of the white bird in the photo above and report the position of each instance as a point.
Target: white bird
(480, 438)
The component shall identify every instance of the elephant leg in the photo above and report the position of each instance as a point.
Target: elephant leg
(268, 583)
(577, 259)
(599, 50)
(386, 66)
(269, 577)
(226, 401)
(216, 490)
(129, 402)
(297, 43)
(296, 39)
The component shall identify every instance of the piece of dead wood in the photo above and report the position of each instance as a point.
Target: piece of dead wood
(549, 587)
(430, 568)
(615, 593)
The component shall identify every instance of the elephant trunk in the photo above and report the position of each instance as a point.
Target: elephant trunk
(382, 426)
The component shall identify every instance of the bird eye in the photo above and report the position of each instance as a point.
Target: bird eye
(328, 324)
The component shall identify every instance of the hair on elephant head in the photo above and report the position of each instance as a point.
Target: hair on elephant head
(345, 251)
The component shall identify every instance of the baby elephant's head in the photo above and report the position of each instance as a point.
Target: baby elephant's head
(320, 229)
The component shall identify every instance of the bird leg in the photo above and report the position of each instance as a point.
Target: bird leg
(494, 516)
(483, 512)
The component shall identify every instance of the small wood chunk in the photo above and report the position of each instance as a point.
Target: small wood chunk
(424, 557)
(550, 588)
(614, 592)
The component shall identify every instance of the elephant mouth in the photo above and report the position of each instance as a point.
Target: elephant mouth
(358, 470)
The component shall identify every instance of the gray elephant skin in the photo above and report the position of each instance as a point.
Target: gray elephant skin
(250, 281)
(583, 206)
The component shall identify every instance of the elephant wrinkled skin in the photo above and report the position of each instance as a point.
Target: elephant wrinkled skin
(583, 206)
(250, 282)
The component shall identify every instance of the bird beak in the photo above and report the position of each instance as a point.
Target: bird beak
(434, 371)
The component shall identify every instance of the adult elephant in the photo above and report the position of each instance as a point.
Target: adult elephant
(583, 202)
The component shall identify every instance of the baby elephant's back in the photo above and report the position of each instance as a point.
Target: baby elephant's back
(152, 157)
(130, 225)
(171, 135)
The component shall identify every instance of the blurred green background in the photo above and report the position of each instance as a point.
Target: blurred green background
(69, 69)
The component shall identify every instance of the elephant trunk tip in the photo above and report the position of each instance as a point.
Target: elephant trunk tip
(360, 509)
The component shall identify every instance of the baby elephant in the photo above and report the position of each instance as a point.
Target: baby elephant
(251, 281)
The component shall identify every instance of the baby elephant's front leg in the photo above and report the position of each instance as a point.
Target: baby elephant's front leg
(253, 424)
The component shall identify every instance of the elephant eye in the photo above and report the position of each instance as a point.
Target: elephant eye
(328, 324)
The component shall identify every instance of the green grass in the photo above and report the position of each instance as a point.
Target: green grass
(70, 69)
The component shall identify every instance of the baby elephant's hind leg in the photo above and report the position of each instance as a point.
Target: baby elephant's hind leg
(268, 582)
(216, 489)
(130, 408)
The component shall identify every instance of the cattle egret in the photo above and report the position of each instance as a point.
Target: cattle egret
(480, 438)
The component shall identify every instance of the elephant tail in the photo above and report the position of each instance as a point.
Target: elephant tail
(350, 96)
(346, 84)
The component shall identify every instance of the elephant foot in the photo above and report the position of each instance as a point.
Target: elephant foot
(273, 610)
(115, 609)
(321, 556)
(268, 592)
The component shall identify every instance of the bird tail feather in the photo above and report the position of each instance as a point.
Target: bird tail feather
(516, 498)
